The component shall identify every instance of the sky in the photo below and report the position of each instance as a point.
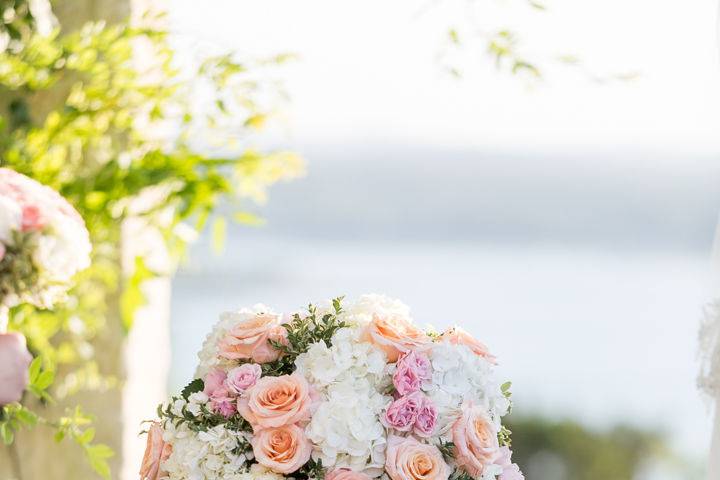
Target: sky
(372, 71)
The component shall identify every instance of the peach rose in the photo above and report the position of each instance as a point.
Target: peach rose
(283, 449)
(408, 459)
(156, 452)
(250, 339)
(396, 335)
(475, 439)
(458, 336)
(277, 401)
(345, 474)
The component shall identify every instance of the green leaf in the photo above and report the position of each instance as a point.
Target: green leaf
(97, 456)
(6, 433)
(197, 385)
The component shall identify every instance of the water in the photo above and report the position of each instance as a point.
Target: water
(587, 326)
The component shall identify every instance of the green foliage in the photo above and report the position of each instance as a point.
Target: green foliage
(204, 420)
(584, 454)
(197, 385)
(313, 469)
(447, 449)
(82, 115)
(303, 331)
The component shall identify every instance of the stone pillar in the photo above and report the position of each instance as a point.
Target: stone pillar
(140, 359)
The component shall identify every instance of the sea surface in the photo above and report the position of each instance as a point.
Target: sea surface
(588, 286)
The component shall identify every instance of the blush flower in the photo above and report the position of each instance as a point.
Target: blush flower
(345, 474)
(281, 449)
(402, 413)
(408, 459)
(241, 378)
(396, 335)
(510, 470)
(277, 401)
(214, 381)
(223, 402)
(411, 371)
(426, 419)
(475, 439)
(156, 452)
(458, 336)
(250, 339)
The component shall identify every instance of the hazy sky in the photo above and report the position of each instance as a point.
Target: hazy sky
(369, 71)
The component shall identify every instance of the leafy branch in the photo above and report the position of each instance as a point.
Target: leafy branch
(303, 331)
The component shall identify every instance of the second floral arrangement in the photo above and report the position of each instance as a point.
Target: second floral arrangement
(340, 392)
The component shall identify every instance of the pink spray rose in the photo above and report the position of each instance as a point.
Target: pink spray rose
(411, 370)
(345, 474)
(241, 378)
(402, 413)
(426, 419)
(214, 380)
(223, 402)
(510, 470)
(412, 412)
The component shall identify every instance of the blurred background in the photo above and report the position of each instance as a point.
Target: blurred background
(543, 173)
(566, 222)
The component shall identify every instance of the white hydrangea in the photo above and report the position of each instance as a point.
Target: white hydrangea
(209, 354)
(350, 377)
(204, 455)
(460, 375)
(361, 312)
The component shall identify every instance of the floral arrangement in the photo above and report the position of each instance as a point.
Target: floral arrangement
(340, 392)
(43, 243)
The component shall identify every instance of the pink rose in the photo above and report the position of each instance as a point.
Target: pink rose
(426, 419)
(32, 219)
(277, 401)
(223, 402)
(458, 336)
(510, 470)
(408, 459)
(281, 449)
(411, 370)
(241, 378)
(396, 335)
(475, 439)
(156, 452)
(214, 380)
(2, 251)
(14, 362)
(345, 474)
(250, 339)
(402, 413)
